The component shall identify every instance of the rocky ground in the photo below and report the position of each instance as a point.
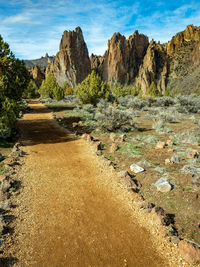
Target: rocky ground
(64, 206)
(169, 157)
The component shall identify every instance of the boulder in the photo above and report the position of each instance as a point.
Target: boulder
(189, 251)
(159, 216)
(163, 185)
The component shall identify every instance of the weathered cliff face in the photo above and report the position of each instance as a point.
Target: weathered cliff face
(173, 65)
(121, 61)
(37, 75)
(72, 63)
(154, 68)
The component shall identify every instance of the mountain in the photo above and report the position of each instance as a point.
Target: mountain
(42, 62)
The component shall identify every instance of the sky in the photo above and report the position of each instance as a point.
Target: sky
(34, 27)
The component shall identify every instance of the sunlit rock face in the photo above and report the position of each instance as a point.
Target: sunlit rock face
(72, 63)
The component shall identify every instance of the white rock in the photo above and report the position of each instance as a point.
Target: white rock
(163, 185)
(136, 169)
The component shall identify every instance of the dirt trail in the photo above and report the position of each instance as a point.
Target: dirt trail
(71, 212)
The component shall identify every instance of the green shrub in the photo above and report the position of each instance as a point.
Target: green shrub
(50, 88)
(58, 92)
(92, 89)
(153, 90)
(14, 79)
(31, 91)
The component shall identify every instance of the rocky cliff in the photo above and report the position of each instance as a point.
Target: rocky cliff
(121, 61)
(72, 63)
(132, 60)
(174, 64)
(37, 75)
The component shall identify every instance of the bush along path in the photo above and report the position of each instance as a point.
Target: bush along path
(73, 209)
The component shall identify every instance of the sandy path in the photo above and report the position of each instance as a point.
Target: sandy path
(71, 211)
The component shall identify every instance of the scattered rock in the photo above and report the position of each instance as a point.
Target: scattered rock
(89, 138)
(167, 161)
(129, 183)
(159, 216)
(122, 138)
(193, 154)
(84, 136)
(136, 169)
(169, 142)
(6, 185)
(163, 185)
(160, 145)
(98, 146)
(189, 251)
(4, 205)
(75, 124)
(113, 148)
(10, 161)
(146, 206)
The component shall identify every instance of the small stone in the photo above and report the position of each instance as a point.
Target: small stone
(128, 182)
(163, 185)
(160, 145)
(89, 138)
(122, 138)
(84, 136)
(189, 251)
(136, 169)
(4, 205)
(193, 154)
(98, 146)
(169, 142)
(159, 216)
(10, 162)
(146, 206)
(113, 148)
(113, 137)
(80, 123)
(167, 161)
(74, 124)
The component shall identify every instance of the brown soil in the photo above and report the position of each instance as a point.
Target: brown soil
(71, 211)
(182, 203)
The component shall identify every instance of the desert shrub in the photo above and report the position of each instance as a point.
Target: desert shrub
(132, 102)
(150, 139)
(190, 103)
(169, 116)
(92, 89)
(190, 169)
(112, 119)
(176, 159)
(31, 91)
(153, 90)
(163, 101)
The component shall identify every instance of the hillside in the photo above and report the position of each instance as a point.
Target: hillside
(42, 62)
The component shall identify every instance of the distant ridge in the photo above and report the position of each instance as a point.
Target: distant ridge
(42, 62)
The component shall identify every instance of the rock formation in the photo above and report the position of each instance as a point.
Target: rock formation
(37, 75)
(121, 61)
(72, 63)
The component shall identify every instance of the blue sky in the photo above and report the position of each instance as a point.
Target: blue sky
(33, 28)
